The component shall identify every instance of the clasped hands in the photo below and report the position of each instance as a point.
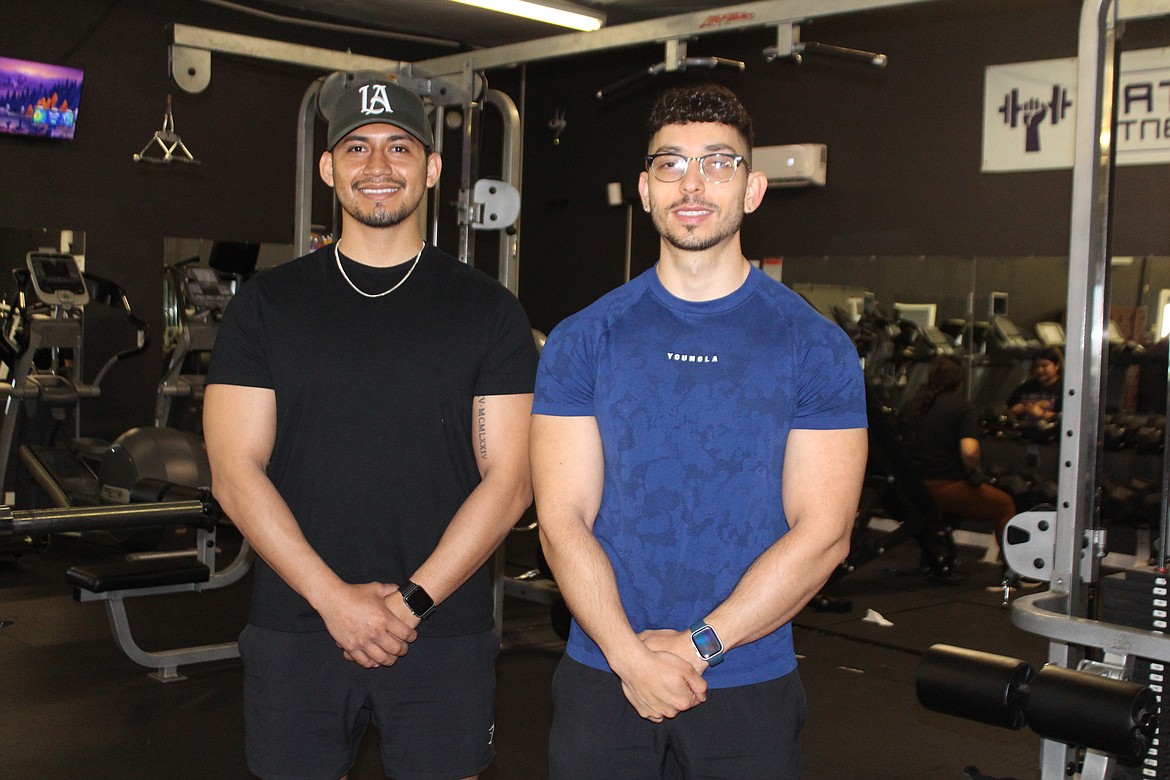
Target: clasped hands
(1036, 409)
(665, 677)
(370, 623)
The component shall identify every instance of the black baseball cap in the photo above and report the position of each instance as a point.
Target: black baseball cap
(368, 101)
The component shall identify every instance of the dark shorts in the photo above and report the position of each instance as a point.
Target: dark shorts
(747, 731)
(306, 707)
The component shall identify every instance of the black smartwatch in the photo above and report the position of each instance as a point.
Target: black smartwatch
(707, 643)
(417, 600)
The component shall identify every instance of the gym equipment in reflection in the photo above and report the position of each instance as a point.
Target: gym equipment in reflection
(194, 300)
(1086, 725)
(44, 332)
(896, 345)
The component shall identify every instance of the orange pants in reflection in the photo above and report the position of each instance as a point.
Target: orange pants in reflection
(985, 504)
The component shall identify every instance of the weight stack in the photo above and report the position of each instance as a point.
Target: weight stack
(1140, 598)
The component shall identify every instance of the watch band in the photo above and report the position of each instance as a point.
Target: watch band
(418, 601)
(707, 643)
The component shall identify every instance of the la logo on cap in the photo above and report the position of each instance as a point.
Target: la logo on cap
(375, 100)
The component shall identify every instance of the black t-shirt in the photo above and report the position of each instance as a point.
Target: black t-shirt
(1032, 391)
(374, 403)
(934, 439)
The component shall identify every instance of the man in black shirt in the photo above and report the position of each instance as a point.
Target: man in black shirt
(366, 419)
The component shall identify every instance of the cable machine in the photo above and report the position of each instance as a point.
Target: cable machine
(1070, 533)
(1097, 669)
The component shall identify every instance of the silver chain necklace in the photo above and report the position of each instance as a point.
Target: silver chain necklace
(358, 290)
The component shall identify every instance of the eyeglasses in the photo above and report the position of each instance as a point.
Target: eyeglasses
(719, 167)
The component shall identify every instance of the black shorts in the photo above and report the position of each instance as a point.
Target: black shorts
(747, 731)
(306, 707)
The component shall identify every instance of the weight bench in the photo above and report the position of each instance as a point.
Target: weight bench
(148, 575)
(115, 582)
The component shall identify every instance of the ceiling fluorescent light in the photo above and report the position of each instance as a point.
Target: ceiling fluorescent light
(561, 14)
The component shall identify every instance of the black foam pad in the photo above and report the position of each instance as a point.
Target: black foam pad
(128, 575)
(1113, 716)
(974, 685)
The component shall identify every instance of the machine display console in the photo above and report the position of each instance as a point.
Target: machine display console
(205, 290)
(57, 279)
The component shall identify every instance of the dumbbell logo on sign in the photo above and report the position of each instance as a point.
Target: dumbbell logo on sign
(1032, 113)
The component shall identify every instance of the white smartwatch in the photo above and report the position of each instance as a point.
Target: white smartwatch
(707, 643)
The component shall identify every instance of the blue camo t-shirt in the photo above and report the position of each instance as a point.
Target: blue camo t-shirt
(694, 402)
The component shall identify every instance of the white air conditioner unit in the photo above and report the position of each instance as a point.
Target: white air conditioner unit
(792, 165)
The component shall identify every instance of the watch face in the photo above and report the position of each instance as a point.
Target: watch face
(417, 599)
(707, 642)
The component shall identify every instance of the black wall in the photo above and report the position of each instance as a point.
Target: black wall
(904, 149)
(243, 129)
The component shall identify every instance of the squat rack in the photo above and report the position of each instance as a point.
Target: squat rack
(1076, 544)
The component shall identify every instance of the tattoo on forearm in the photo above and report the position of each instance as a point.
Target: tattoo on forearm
(481, 425)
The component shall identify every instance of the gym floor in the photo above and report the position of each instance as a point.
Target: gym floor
(75, 706)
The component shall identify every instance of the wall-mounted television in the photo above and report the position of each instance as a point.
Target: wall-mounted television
(38, 99)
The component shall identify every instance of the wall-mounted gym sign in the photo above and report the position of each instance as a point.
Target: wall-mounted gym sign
(1029, 112)
(1143, 108)
(1029, 115)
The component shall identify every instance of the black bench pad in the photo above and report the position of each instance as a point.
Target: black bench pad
(127, 575)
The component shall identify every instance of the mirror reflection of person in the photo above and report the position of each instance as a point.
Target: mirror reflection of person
(1038, 396)
(942, 428)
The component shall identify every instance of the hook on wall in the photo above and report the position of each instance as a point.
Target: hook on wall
(557, 125)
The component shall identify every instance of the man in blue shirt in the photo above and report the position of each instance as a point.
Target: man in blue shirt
(698, 446)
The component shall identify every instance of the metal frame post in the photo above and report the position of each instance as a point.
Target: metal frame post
(511, 170)
(306, 170)
(1087, 325)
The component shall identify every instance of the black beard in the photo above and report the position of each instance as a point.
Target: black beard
(381, 218)
(691, 243)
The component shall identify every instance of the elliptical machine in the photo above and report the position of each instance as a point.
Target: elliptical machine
(44, 336)
(195, 298)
